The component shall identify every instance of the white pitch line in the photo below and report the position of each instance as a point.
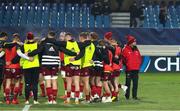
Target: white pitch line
(26, 108)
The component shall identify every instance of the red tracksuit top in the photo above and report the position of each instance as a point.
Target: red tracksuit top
(9, 55)
(115, 66)
(132, 59)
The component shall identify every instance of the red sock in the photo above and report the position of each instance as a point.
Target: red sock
(68, 94)
(49, 93)
(65, 85)
(55, 94)
(113, 94)
(93, 90)
(81, 88)
(72, 88)
(20, 88)
(12, 87)
(108, 94)
(76, 94)
(99, 90)
(16, 91)
(7, 92)
(87, 97)
(42, 86)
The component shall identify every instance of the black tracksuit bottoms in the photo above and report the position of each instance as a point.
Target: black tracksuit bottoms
(1, 75)
(132, 76)
(31, 78)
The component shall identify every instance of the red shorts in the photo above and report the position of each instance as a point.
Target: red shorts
(115, 74)
(63, 68)
(72, 70)
(12, 73)
(86, 71)
(97, 71)
(53, 71)
(106, 76)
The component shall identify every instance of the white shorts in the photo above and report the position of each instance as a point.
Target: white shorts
(63, 74)
(50, 77)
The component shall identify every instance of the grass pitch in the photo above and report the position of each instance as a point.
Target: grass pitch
(157, 91)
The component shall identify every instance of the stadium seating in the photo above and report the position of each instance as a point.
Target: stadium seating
(152, 16)
(50, 15)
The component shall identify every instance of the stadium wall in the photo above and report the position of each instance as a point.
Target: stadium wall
(145, 36)
(160, 64)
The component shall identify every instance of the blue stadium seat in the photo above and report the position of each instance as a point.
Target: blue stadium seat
(38, 16)
(91, 19)
(69, 16)
(61, 16)
(8, 15)
(15, 16)
(54, 19)
(76, 17)
(23, 15)
(45, 17)
(31, 15)
(106, 21)
(85, 12)
(55, 7)
(2, 11)
(98, 21)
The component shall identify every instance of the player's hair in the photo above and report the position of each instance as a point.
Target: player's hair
(94, 35)
(68, 33)
(84, 35)
(3, 34)
(51, 33)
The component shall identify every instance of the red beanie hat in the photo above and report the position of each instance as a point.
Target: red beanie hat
(30, 36)
(108, 35)
(130, 39)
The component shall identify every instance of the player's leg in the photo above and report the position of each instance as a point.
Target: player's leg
(17, 80)
(85, 79)
(27, 78)
(107, 92)
(76, 81)
(128, 84)
(42, 83)
(35, 79)
(93, 85)
(69, 83)
(54, 74)
(8, 77)
(135, 84)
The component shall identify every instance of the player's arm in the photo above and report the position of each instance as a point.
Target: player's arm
(20, 53)
(83, 45)
(37, 51)
(67, 51)
(2, 53)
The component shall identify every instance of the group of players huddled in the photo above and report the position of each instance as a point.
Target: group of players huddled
(90, 67)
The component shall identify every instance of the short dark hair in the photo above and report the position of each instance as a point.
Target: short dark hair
(84, 34)
(16, 35)
(3, 34)
(51, 33)
(68, 33)
(94, 35)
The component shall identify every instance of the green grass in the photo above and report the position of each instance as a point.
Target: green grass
(157, 91)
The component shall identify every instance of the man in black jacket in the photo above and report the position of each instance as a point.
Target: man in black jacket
(3, 38)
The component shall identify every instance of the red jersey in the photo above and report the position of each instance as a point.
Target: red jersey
(131, 58)
(9, 55)
(118, 66)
